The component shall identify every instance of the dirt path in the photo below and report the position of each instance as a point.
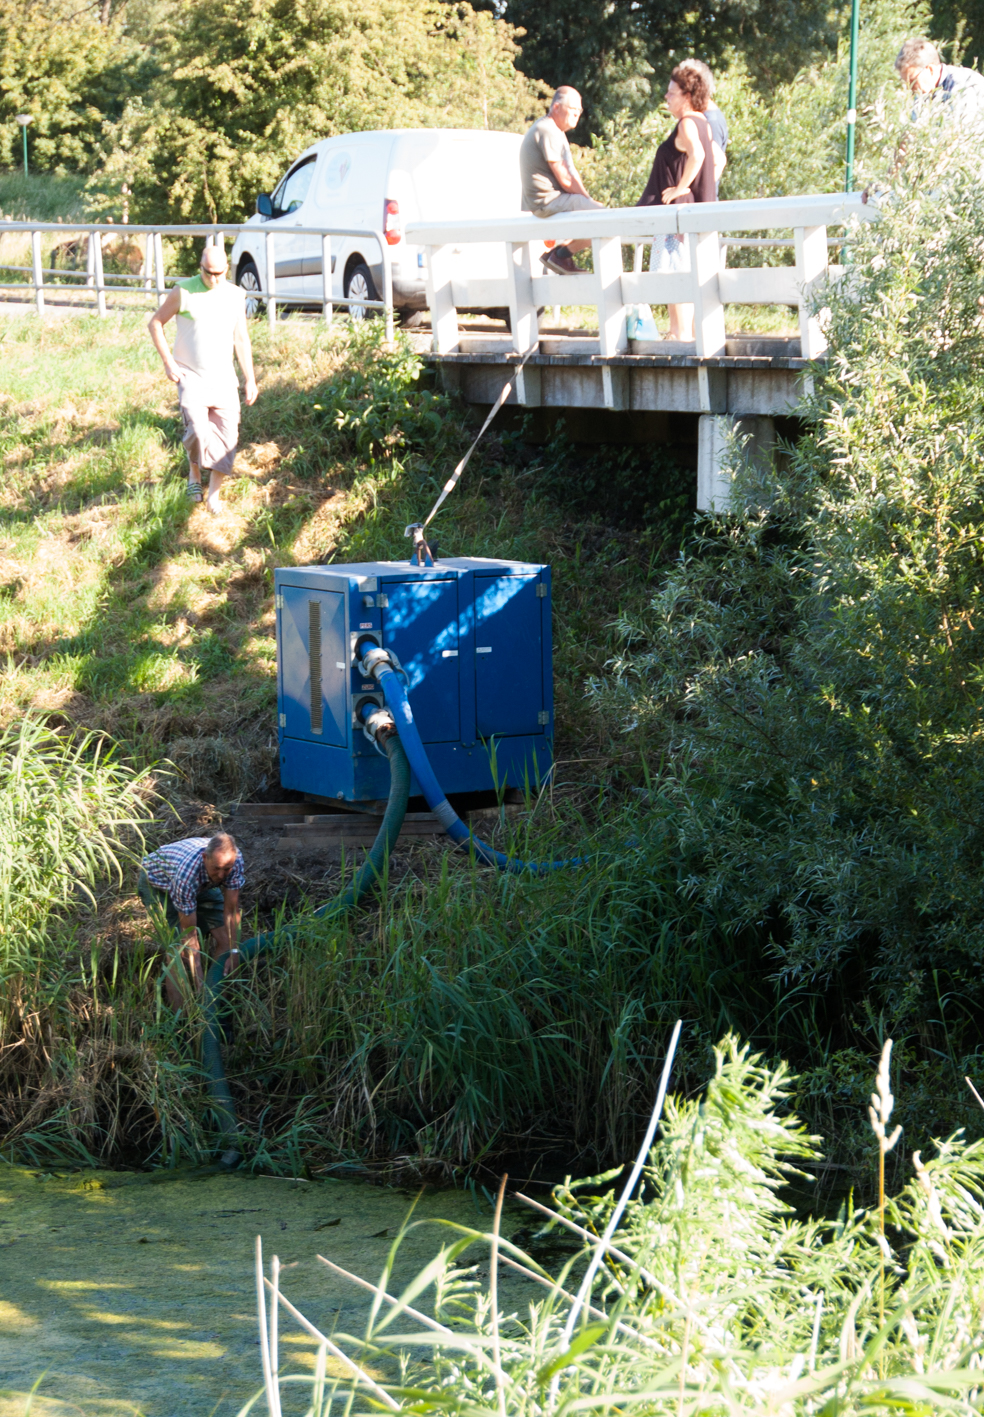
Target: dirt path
(135, 1294)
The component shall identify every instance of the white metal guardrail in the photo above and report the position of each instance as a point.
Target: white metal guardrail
(709, 285)
(707, 231)
(153, 277)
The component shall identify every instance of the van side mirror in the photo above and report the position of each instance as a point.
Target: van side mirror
(264, 206)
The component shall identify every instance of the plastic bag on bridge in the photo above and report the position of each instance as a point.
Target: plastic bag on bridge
(640, 323)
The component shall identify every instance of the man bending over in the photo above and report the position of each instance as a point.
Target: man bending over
(550, 180)
(210, 322)
(949, 89)
(194, 885)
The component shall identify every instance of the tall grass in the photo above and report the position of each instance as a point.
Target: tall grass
(66, 810)
(41, 196)
(712, 1296)
(70, 818)
(464, 1016)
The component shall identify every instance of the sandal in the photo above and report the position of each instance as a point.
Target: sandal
(194, 491)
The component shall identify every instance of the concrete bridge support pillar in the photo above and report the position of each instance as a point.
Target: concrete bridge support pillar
(714, 438)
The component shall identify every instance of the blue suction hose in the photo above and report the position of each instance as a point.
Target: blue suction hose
(376, 663)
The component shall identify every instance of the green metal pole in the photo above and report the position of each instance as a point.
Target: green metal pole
(24, 131)
(852, 95)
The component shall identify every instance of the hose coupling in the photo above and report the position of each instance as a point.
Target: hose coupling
(374, 657)
(379, 725)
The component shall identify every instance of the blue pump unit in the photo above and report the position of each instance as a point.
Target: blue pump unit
(473, 638)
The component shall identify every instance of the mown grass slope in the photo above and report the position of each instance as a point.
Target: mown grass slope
(127, 608)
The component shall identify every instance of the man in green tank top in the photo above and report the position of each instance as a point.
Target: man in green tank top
(210, 316)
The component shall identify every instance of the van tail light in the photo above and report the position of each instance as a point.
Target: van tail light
(392, 230)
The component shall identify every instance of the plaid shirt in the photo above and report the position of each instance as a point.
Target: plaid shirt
(179, 869)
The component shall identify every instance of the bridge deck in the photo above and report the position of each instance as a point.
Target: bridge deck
(762, 376)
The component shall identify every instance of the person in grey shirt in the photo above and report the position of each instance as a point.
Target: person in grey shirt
(947, 89)
(716, 120)
(551, 183)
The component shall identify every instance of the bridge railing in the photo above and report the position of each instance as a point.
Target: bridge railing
(709, 284)
(152, 278)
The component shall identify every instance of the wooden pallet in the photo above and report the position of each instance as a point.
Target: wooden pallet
(332, 830)
(349, 830)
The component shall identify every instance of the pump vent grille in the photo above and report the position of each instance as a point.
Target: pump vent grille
(314, 657)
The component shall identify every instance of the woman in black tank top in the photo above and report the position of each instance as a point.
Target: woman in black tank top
(683, 171)
(673, 179)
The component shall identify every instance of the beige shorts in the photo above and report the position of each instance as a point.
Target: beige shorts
(211, 435)
(568, 202)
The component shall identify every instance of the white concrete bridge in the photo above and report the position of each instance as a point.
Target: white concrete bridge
(724, 379)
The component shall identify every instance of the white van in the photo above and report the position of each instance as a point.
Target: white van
(380, 180)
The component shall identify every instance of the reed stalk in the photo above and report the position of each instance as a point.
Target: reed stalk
(879, 1114)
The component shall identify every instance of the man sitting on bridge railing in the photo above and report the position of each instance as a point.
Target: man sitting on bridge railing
(550, 180)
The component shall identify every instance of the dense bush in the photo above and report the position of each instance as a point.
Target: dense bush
(41, 196)
(645, 488)
(813, 672)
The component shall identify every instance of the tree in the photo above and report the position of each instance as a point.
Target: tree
(245, 85)
(67, 69)
(619, 53)
(961, 22)
(787, 141)
(598, 46)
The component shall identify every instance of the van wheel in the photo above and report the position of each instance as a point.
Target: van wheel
(359, 285)
(248, 280)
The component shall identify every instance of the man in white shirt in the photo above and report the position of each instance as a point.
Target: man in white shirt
(550, 180)
(210, 324)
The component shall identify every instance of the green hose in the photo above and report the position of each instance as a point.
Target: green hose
(365, 879)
